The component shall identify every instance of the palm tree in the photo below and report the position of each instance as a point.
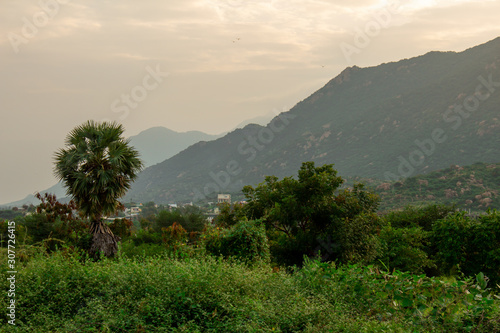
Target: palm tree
(98, 166)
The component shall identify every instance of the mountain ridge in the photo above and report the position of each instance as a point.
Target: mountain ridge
(364, 120)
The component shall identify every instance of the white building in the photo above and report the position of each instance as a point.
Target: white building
(224, 198)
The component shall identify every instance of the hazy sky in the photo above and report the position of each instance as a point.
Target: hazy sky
(193, 64)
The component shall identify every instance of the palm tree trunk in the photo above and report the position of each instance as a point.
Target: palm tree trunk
(103, 240)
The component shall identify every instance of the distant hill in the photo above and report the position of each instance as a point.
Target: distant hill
(157, 144)
(391, 121)
(475, 187)
(57, 189)
(261, 120)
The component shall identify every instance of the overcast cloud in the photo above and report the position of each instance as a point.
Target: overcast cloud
(64, 62)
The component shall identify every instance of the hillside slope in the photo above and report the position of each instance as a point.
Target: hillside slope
(394, 120)
(474, 187)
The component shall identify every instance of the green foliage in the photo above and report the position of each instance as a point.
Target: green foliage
(470, 244)
(54, 224)
(246, 241)
(291, 204)
(405, 249)
(357, 238)
(424, 304)
(414, 216)
(132, 248)
(230, 214)
(175, 235)
(97, 167)
(314, 217)
(473, 187)
(290, 251)
(146, 236)
(9, 214)
(351, 202)
(20, 232)
(190, 218)
(64, 293)
(149, 210)
(121, 227)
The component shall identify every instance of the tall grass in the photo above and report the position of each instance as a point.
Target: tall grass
(63, 293)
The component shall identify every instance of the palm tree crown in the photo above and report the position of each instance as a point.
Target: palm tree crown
(97, 166)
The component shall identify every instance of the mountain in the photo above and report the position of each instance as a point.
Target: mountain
(475, 187)
(58, 189)
(261, 120)
(157, 144)
(391, 121)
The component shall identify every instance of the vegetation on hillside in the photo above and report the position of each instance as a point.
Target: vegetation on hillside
(475, 187)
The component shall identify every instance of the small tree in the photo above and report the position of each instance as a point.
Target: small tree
(98, 166)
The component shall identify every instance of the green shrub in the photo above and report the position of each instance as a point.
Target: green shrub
(60, 293)
(422, 303)
(129, 249)
(423, 217)
(246, 241)
(404, 249)
(357, 237)
(121, 227)
(146, 236)
(230, 214)
(191, 218)
(175, 235)
(290, 251)
(469, 244)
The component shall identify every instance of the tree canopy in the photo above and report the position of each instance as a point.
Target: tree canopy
(97, 166)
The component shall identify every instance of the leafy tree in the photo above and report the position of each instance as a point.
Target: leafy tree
(9, 214)
(246, 241)
(292, 204)
(166, 218)
(468, 243)
(315, 216)
(97, 166)
(423, 217)
(149, 210)
(191, 218)
(121, 227)
(230, 214)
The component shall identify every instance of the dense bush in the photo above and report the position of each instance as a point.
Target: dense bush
(469, 244)
(357, 238)
(9, 214)
(230, 214)
(175, 235)
(146, 236)
(204, 294)
(405, 249)
(129, 249)
(417, 302)
(121, 227)
(290, 251)
(20, 230)
(423, 217)
(246, 241)
(191, 218)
